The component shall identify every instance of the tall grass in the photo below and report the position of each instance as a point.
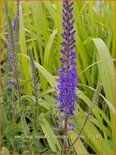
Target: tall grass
(40, 31)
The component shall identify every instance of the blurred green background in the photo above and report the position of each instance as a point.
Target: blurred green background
(40, 32)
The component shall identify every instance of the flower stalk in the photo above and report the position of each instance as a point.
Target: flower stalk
(94, 102)
(68, 80)
(36, 86)
(13, 47)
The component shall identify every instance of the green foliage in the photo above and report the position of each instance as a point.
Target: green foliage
(40, 30)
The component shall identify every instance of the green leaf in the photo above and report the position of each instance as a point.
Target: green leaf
(51, 137)
(49, 77)
(48, 48)
(91, 135)
(79, 147)
(106, 71)
(23, 48)
(106, 68)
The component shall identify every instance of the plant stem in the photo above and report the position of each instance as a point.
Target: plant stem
(35, 86)
(81, 130)
(19, 93)
(65, 136)
(12, 109)
(94, 102)
(36, 111)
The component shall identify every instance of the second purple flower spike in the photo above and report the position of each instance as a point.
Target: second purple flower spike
(68, 80)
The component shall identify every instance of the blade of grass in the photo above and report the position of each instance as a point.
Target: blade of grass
(23, 49)
(106, 71)
(50, 136)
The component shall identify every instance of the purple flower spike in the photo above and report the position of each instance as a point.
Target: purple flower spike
(12, 35)
(68, 81)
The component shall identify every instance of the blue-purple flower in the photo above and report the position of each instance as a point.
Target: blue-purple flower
(68, 80)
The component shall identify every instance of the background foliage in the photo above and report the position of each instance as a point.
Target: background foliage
(40, 33)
